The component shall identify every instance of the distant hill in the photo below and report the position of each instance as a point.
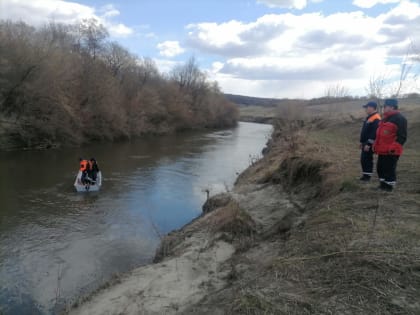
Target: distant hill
(253, 101)
(242, 100)
(246, 101)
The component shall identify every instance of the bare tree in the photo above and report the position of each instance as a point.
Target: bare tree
(378, 86)
(376, 89)
(147, 71)
(188, 75)
(405, 70)
(92, 36)
(58, 36)
(116, 57)
(336, 91)
(19, 62)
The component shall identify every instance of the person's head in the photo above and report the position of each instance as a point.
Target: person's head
(390, 104)
(370, 107)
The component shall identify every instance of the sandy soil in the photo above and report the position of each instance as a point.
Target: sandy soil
(167, 287)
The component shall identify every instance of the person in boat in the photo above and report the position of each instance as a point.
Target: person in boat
(93, 169)
(84, 168)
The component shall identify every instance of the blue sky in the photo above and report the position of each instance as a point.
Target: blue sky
(267, 48)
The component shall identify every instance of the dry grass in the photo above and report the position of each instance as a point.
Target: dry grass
(232, 220)
(358, 252)
(227, 222)
(356, 249)
(257, 111)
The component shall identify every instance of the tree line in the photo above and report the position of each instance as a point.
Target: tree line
(70, 84)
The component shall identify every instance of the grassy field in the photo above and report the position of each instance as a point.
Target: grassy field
(359, 248)
(300, 108)
(257, 114)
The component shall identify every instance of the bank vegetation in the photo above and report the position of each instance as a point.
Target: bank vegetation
(70, 84)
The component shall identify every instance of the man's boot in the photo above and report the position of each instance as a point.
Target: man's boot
(386, 187)
(365, 178)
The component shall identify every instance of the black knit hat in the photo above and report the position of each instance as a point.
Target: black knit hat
(391, 102)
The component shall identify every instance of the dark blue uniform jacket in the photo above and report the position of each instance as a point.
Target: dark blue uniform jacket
(368, 133)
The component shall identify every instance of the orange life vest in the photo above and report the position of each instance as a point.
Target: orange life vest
(374, 117)
(84, 165)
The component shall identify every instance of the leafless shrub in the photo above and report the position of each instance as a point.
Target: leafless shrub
(336, 91)
(70, 84)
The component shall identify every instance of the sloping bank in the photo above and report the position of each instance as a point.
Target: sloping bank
(294, 236)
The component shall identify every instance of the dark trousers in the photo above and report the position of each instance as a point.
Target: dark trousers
(92, 174)
(366, 159)
(387, 169)
(83, 178)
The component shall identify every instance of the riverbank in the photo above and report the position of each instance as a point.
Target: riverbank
(10, 136)
(298, 234)
(57, 91)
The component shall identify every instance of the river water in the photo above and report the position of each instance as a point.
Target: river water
(56, 244)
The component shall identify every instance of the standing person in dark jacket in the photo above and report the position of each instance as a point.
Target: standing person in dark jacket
(390, 138)
(367, 138)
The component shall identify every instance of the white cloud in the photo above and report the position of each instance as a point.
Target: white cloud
(109, 11)
(38, 12)
(166, 66)
(118, 30)
(287, 4)
(371, 3)
(276, 55)
(236, 38)
(170, 49)
(406, 9)
(299, 53)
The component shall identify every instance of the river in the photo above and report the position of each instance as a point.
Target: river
(56, 244)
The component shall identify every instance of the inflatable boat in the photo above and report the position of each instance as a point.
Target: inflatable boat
(89, 185)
